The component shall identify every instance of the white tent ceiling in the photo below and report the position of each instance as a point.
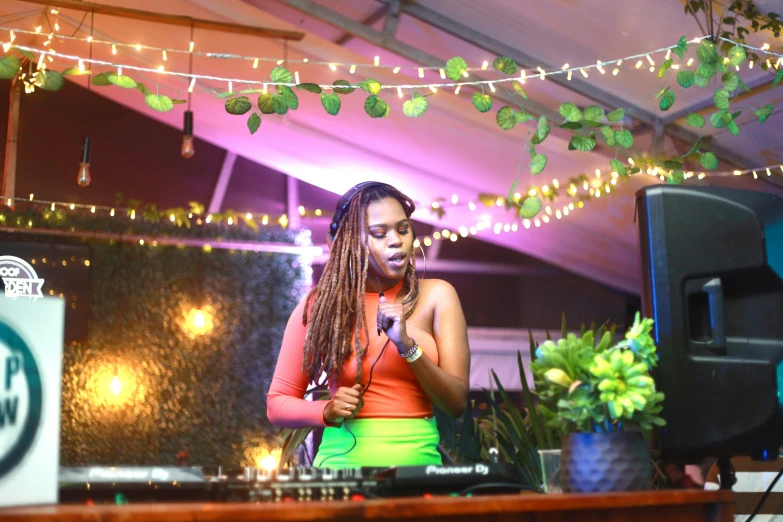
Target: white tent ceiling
(452, 149)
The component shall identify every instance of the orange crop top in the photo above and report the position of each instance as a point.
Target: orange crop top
(394, 393)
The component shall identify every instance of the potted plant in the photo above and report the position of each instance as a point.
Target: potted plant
(600, 396)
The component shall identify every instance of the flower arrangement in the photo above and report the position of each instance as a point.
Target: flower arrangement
(589, 386)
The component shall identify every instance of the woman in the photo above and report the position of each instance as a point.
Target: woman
(389, 344)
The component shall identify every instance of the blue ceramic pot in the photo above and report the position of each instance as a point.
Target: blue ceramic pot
(601, 462)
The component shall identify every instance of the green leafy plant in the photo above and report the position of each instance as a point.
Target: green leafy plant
(590, 384)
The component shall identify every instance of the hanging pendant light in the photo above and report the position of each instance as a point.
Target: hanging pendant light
(84, 166)
(187, 139)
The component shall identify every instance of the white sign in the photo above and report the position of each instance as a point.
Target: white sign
(31, 344)
(19, 278)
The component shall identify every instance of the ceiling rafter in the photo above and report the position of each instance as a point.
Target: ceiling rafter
(577, 85)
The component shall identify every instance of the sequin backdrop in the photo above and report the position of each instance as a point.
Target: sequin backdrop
(153, 379)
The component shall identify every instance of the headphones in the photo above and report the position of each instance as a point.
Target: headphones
(344, 202)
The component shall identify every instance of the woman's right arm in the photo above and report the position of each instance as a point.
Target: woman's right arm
(285, 406)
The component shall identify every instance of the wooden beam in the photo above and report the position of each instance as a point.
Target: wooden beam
(169, 19)
(198, 242)
(292, 202)
(12, 140)
(374, 17)
(222, 183)
(392, 20)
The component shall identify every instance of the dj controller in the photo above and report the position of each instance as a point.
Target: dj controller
(167, 484)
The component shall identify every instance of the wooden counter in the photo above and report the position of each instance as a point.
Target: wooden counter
(667, 506)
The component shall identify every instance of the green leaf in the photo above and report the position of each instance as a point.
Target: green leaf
(281, 75)
(143, 89)
(685, 78)
(102, 80)
(709, 161)
(159, 102)
(707, 52)
(455, 67)
(667, 100)
(543, 129)
(701, 81)
(376, 107)
(482, 102)
(239, 105)
(265, 103)
(778, 77)
(764, 113)
(331, 103)
(571, 125)
(289, 96)
(672, 164)
(505, 64)
(511, 191)
(279, 104)
(27, 54)
(253, 122)
(624, 138)
(744, 86)
(522, 116)
(616, 115)
(530, 207)
(538, 164)
(49, 80)
(682, 47)
(721, 99)
(310, 87)
(590, 123)
(416, 106)
(70, 71)
(126, 82)
(581, 143)
(676, 178)
(617, 166)
(720, 119)
(706, 71)
(737, 55)
(369, 85)
(521, 91)
(733, 128)
(505, 118)
(731, 81)
(228, 94)
(250, 91)
(179, 102)
(349, 90)
(570, 112)
(608, 135)
(665, 66)
(593, 113)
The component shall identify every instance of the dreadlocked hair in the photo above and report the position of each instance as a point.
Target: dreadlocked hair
(338, 313)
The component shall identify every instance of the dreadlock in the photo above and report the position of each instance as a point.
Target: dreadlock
(338, 312)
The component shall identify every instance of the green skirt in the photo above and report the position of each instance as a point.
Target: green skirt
(380, 443)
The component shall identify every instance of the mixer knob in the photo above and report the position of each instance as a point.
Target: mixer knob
(327, 474)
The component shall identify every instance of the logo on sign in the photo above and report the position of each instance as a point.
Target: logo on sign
(19, 278)
(20, 399)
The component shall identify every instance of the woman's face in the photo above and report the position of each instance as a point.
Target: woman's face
(390, 238)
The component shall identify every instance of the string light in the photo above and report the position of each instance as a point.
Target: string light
(421, 72)
(491, 87)
(442, 74)
(484, 65)
(396, 70)
(333, 67)
(399, 92)
(377, 61)
(255, 63)
(542, 73)
(352, 69)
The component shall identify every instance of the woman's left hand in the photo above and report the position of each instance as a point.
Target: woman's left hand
(391, 319)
